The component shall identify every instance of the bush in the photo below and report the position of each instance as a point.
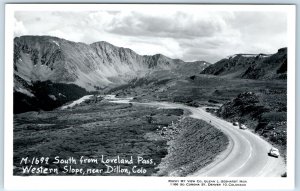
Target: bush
(273, 116)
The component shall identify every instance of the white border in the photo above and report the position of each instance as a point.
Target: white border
(138, 183)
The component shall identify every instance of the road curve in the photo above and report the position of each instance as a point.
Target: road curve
(246, 154)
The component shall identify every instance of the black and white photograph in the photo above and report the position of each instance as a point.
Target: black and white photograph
(152, 90)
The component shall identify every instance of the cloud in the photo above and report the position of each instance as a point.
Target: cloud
(176, 25)
(19, 28)
(184, 34)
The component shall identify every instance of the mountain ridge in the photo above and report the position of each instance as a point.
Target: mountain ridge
(251, 66)
(91, 66)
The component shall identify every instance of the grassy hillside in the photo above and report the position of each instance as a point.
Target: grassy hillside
(92, 130)
(202, 89)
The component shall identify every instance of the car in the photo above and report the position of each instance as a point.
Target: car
(274, 152)
(242, 126)
(235, 123)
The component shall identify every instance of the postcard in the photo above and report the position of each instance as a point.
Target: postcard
(149, 96)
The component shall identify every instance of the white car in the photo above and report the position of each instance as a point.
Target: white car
(242, 126)
(274, 152)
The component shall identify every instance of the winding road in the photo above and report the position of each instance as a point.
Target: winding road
(246, 155)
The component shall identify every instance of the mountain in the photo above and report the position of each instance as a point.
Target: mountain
(251, 66)
(59, 64)
(91, 66)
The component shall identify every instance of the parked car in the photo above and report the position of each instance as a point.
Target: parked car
(274, 152)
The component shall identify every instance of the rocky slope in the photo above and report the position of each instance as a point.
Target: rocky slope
(252, 66)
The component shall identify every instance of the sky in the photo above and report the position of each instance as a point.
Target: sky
(189, 35)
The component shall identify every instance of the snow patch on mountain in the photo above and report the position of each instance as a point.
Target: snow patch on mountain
(52, 97)
(60, 94)
(76, 102)
(56, 43)
(24, 91)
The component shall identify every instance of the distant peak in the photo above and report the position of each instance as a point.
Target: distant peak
(44, 37)
(160, 56)
(157, 55)
(103, 43)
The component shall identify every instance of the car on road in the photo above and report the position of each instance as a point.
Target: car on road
(274, 152)
(242, 126)
(235, 123)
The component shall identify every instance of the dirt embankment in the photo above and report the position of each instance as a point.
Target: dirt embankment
(193, 144)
